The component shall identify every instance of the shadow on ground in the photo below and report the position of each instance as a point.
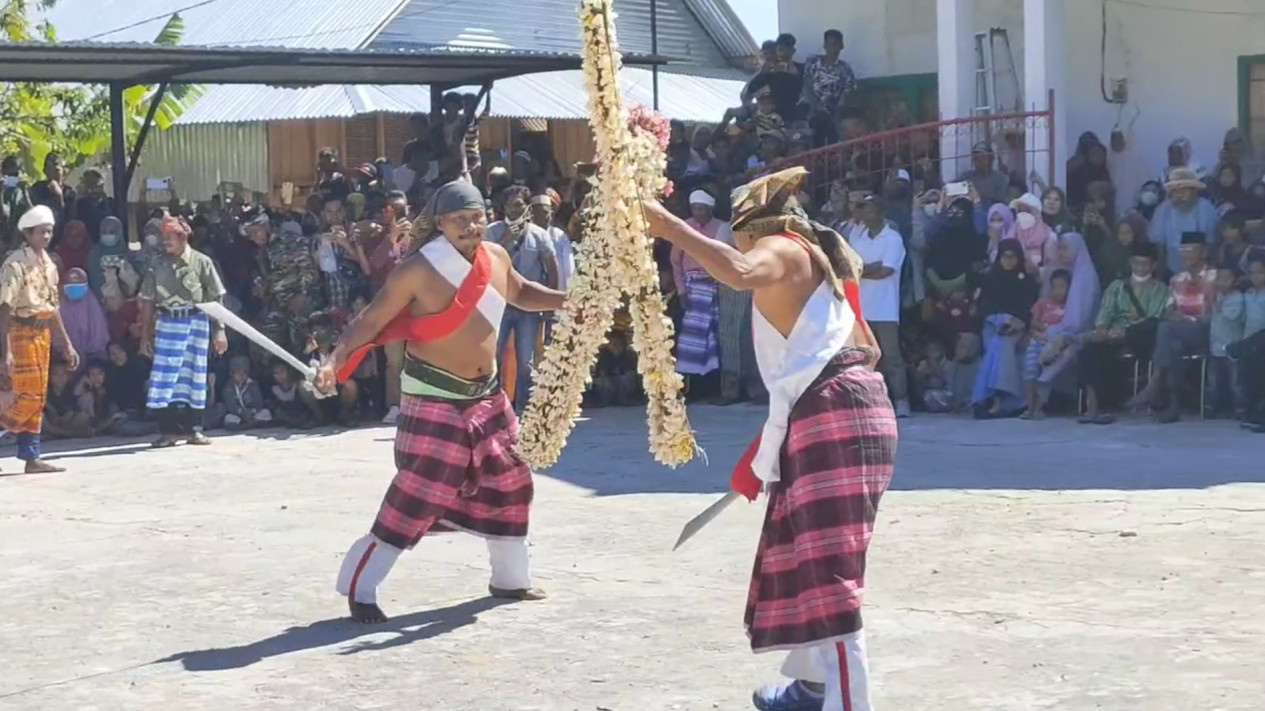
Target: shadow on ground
(407, 629)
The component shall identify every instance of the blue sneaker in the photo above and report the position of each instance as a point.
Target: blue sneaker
(787, 697)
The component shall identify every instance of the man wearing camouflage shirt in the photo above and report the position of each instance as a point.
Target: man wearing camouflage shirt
(287, 268)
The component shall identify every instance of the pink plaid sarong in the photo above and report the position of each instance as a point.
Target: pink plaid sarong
(836, 463)
(456, 471)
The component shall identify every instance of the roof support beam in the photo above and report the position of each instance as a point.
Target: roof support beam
(118, 153)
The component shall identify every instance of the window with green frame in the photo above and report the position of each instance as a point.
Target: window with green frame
(1252, 98)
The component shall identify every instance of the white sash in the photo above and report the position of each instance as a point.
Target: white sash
(454, 268)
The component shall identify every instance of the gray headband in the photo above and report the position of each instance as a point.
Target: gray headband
(457, 195)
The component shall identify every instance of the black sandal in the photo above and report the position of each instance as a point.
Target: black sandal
(164, 442)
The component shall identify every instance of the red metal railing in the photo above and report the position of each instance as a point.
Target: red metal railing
(933, 153)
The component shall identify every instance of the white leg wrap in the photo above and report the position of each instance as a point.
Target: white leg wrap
(511, 563)
(364, 568)
(847, 671)
(801, 663)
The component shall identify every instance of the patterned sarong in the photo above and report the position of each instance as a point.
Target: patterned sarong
(31, 348)
(698, 346)
(457, 471)
(180, 351)
(836, 463)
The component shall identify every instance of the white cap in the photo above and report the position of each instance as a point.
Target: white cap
(541, 200)
(700, 197)
(1028, 200)
(36, 216)
(903, 174)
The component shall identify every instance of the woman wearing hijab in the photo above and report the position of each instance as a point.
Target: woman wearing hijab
(1007, 293)
(954, 252)
(1064, 339)
(1114, 256)
(109, 252)
(151, 246)
(1036, 237)
(83, 317)
(1054, 212)
(1088, 166)
(1001, 220)
(1181, 155)
(73, 247)
(1149, 198)
(1227, 191)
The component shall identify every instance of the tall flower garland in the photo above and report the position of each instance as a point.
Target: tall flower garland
(616, 257)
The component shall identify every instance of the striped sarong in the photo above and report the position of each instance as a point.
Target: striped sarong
(180, 352)
(31, 349)
(737, 349)
(698, 346)
(836, 463)
(456, 471)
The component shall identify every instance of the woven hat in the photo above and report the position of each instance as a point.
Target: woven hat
(1179, 178)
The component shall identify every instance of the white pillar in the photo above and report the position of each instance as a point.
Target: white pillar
(1044, 44)
(955, 50)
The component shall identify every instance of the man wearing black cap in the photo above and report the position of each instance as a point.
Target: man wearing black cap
(1185, 331)
(989, 182)
(1130, 311)
(455, 466)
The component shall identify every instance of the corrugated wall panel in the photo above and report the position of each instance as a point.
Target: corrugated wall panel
(198, 157)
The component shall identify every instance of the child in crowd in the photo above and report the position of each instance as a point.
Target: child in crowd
(1226, 328)
(615, 380)
(1232, 252)
(243, 399)
(126, 381)
(956, 376)
(931, 379)
(64, 414)
(104, 415)
(952, 315)
(1042, 351)
(291, 405)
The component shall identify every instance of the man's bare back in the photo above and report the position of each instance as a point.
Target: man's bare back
(782, 301)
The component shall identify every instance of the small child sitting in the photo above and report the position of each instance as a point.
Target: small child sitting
(1228, 321)
(290, 405)
(67, 413)
(615, 374)
(957, 377)
(952, 315)
(243, 399)
(1042, 350)
(931, 378)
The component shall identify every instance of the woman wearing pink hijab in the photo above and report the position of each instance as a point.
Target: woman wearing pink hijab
(84, 318)
(1038, 239)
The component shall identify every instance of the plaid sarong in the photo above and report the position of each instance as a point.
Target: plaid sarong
(180, 351)
(457, 470)
(31, 349)
(698, 346)
(836, 463)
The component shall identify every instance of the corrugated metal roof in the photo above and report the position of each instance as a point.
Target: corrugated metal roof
(725, 27)
(309, 24)
(551, 25)
(548, 95)
(197, 158)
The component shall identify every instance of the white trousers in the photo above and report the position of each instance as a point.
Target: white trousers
(842, 666)
(369, 561)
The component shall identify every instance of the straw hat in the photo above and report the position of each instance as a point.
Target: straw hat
(1179, 178)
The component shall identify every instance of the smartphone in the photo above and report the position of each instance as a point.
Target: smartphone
(958, 189)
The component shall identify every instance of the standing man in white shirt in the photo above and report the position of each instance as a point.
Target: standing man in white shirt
(883, 252)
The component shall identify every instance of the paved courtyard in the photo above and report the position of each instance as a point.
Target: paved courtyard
(1015, 566)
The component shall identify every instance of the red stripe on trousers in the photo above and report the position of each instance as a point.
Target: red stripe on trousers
(844, 685)
(360, 568)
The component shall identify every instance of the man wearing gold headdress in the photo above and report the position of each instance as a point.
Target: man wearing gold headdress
(825, 453)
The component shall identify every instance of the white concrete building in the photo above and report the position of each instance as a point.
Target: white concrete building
(1193, 68)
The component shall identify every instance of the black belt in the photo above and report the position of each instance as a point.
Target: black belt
(442, 379)
(34, 321)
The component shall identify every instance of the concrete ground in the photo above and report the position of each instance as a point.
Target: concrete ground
(1016, 566)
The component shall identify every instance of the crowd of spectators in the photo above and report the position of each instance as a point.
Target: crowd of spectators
(990, 293)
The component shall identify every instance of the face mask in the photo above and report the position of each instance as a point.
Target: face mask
(996, 227)
(931, 210)
(75, 292)
(1149, 198)
(1141, 279)
(1026, 220)
(10, 181)
(151, 240)
(109, 239)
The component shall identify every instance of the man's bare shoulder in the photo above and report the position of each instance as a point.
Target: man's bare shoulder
(498, 254)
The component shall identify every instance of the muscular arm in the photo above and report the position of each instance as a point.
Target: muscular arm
(394, 297)
(530, 296)
(762, 266)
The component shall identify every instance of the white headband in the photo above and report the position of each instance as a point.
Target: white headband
(698, 197)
